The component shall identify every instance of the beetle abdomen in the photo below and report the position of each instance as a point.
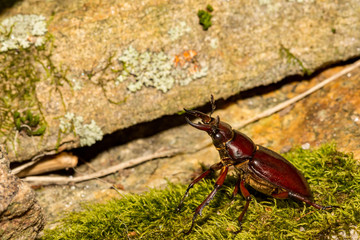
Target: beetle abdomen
(272, 167)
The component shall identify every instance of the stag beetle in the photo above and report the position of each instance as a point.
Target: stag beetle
(259, 167)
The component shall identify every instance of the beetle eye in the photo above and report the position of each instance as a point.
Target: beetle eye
(218, 137)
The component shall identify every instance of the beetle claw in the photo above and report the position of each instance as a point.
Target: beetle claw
(200, 126)
(178, 209)
(238, 231)
(329, 207)
(192, 225)
(205, 118)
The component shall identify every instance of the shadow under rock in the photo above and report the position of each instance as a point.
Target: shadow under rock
(148, 129)
(5, 4)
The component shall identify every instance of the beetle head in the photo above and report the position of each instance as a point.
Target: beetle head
(220, 132)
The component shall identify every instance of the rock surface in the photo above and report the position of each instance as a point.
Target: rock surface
(248, 45)
(21, 216)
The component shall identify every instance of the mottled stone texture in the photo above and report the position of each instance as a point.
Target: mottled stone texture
(21, 216)
(250, 44)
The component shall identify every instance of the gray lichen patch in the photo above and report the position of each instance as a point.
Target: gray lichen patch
(21, 31)
(151, 69)
(179, 30)
(88, 133)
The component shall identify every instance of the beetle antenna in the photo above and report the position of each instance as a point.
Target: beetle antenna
(213, 106)
(215, 127)
(217, 122)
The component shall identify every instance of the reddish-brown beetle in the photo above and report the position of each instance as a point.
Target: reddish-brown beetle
(264, 170)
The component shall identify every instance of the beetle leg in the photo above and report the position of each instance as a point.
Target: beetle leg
(315, 205)
(236, 189)
(218, 184)
(282, 195)
(247, 197)
(214, 167)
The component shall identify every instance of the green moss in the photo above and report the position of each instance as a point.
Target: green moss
(209, 8)
(22, 41)
(205, 17)
(29, 123)
(18, 82)
(21, 70)
(333, 176)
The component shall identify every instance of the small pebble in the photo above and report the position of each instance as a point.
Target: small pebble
(305, 146)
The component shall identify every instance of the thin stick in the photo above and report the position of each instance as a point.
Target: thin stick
(305, 215)
(283, 105)
(32, 162)
(101, 173)
(36, 158)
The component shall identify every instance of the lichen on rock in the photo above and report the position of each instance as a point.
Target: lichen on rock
(88, 133)
(21, 31)
(179, 30)
(154, 69)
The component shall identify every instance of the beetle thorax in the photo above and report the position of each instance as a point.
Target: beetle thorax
(241, 147)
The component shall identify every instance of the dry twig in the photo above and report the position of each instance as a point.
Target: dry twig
(293, 100)
(103, 172)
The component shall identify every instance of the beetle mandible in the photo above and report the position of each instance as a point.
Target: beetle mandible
(259, 167)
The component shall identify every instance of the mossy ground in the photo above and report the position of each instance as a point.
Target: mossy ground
(334, 178)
